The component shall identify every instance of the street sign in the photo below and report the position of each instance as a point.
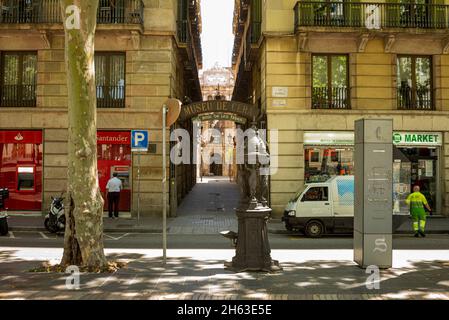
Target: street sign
(139, 140)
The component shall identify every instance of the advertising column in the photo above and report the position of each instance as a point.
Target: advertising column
(373, 193)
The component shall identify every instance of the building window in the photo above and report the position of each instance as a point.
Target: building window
(330, 88)
(18, 79)
(414, 80)
(110, 79)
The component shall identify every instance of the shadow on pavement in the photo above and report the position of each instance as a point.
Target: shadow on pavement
(145, 278)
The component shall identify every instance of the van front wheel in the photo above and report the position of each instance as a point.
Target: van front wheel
(314, 229)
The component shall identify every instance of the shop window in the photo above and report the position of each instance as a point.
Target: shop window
(330, 88)
(414, 80)
(415, 166)
(314, 156)
(25, 179)
(323, 163)
(18, 79)
(316, 194)
(110, 79)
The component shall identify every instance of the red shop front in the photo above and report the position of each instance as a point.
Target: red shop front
(21, 168)
(114, 155)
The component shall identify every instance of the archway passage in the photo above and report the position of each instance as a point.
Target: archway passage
(205, 193)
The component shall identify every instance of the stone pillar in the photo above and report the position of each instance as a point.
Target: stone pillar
(373, 207)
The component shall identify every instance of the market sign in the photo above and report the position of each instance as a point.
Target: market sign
(399, 138)
(329, 138)
(418, 138)
(221, 116)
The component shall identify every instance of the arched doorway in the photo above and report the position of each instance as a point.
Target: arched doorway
(213, 147)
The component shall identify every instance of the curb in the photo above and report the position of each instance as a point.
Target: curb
(286, 232)
(126, 230)
(159, 231)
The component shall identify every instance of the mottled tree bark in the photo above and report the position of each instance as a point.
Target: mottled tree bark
(83, 242)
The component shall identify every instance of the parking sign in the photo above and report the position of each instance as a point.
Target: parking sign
(139, 140)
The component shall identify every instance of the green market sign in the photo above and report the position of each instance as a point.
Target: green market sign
(418, 138)
(399, 138)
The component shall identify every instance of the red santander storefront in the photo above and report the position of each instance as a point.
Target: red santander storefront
(114, 155)
(21, 163)
(21, 168)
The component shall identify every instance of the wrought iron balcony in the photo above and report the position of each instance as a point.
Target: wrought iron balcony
(255, 31)
(18, 96)
(330, 98)
(414, 98)
(49, 11)
(371, 15)
(183, 30)
(110, 96)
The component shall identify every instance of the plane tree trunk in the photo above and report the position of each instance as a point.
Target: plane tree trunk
(83, 242)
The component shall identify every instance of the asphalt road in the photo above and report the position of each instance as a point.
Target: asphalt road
(208, 241)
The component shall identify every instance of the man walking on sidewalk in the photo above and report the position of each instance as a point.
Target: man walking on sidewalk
(113, 188)
(417, 201)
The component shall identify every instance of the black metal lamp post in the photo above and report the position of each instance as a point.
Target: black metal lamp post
(253, 251)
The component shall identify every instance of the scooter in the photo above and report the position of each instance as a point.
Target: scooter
(55, 219)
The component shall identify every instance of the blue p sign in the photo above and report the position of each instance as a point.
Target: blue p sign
(139, 140)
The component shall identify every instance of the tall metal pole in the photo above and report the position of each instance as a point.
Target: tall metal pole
(138, 188)
(164, 179)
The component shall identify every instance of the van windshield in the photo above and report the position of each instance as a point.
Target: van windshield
(316, 194)
(296, 197)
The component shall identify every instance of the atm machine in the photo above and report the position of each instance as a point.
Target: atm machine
(123, 173)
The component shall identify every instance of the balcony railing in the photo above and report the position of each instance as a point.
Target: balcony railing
(183, 30)
(110, 96)
(49, 11)
(255, 31)
(371, 15)
(415, 98)
(330, 98)
(18, 96)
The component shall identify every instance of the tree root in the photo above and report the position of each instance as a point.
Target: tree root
(113, 266)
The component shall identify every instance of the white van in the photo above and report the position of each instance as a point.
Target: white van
(326, 207)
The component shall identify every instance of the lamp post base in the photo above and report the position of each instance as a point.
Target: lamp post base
(253, 251)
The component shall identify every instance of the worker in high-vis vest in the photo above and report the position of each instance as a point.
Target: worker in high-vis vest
(417, 202)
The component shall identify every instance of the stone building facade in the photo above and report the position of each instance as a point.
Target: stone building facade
(217, 83)
(313, 68)
(146, 51)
